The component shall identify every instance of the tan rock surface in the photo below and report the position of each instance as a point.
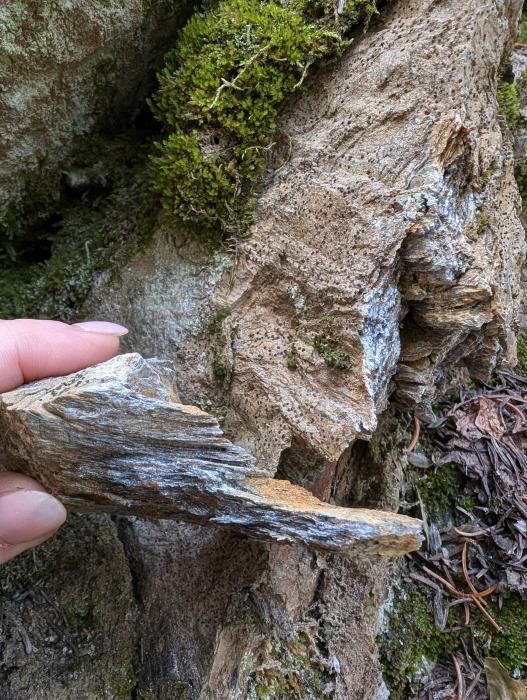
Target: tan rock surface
(390, 241)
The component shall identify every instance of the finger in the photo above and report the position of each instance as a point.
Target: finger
(28, 515)
(31, 349)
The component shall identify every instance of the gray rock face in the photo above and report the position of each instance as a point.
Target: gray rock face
(67, 69)
(114, 438)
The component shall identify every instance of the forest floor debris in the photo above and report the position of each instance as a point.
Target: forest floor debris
(473, 567)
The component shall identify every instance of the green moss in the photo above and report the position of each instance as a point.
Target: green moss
(509, 645)
(522, 34)
(327, 348)
(412, 639)
(411, 642)
(123, 681)
(522, 351)
(509, 103)
(440, 490)
(19, 284)
(483, 220)
(219, 99)
(292, 361)
(288, 671)
(96, 228)
(220, 369)
(216, 324)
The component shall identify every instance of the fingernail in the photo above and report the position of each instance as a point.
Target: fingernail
(104, 327)
(29, 515)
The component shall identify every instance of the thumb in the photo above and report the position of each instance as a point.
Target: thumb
(28, 515)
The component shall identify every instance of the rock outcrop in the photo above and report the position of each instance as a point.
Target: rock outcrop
(386, 250)
(385, 255)
(66, 70)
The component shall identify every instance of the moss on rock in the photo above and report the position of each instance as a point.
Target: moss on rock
(333, 356)
(291, 671)
(509, 103)
(522, 352)
(413, 642)
(219, 99)
(106, 216)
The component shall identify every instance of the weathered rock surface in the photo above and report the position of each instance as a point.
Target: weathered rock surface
(114, 438)
(67, 69)
(389, 243)
(68, 617)
(392, 231)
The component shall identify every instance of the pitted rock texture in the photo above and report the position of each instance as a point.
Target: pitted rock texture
(353, 236)
(115, 438)
(68, 622)
(385, 250)
(66, 70)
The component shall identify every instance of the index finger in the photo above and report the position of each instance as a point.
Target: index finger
(31, 349)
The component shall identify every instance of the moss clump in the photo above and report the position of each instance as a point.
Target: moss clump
(292, 361)
(216, 323)
(509, 103)
(220, 369)
(440, 490)
(413, 640)
(327, 348)
(293, 672)
(509, 645)
(219, 98)
(522, 351)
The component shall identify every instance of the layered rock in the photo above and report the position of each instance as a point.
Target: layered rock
(115, 438)
(386, 249)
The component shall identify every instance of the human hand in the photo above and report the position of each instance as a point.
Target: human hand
(32, 350)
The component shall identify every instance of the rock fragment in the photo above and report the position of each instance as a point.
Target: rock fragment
(114, 438)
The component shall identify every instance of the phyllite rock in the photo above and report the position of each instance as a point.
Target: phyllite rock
(114, 438)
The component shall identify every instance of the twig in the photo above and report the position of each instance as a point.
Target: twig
(460, 681)
(476, 533)
(303, 77)
(473, 684)
(232, 83)
(415, 437)
(489, 617)
(479, 594)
